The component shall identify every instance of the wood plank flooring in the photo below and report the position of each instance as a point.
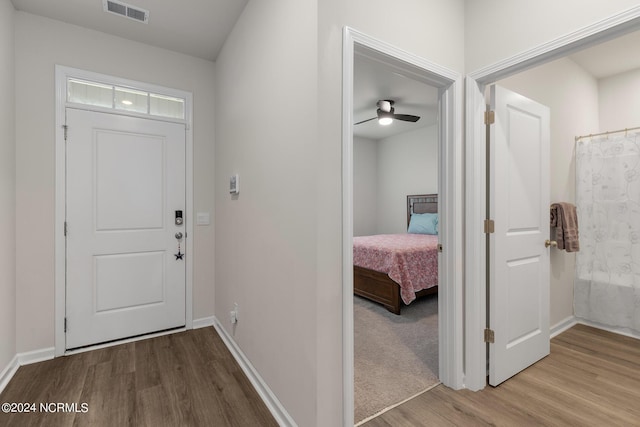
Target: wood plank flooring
(591, 378)
(183, 379)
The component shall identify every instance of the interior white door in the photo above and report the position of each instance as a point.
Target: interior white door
(125, 182)
(519, 259)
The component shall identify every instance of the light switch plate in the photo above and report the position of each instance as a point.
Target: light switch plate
(203, 218)
(234, 184)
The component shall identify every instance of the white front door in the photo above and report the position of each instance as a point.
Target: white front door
(125, 181)
(519, 261)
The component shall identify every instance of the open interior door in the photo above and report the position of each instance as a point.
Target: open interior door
(519, 260)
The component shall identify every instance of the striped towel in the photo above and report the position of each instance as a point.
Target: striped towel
(564, 226)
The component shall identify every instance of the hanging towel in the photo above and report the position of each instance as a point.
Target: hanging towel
(564, 226)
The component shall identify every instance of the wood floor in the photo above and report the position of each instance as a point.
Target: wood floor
(183, 379)
(591, 378)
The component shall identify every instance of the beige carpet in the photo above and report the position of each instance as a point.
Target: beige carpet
(396, 357)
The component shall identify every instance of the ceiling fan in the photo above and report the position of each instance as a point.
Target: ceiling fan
(386, 114)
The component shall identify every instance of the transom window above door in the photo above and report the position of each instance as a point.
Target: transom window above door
(124, 99)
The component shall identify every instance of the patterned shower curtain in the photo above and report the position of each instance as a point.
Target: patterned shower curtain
(607, 283)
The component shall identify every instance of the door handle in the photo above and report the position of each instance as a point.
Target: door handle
(179, 235)
(548, 243)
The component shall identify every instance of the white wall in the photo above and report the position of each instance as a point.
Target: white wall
(431, 29)
(385, 172)
(40, 44)
(620, 101)
(498, 29)
(407, 164)
(365, 186)
(266, 237)
(7, 188)
(571, 93)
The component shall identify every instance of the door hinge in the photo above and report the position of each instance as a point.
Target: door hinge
(65, 324)
(489, 336)
(489, 226)
(65, 127)
(65, 228)
(489, 117)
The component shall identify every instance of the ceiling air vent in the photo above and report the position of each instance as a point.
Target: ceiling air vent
(126, 10)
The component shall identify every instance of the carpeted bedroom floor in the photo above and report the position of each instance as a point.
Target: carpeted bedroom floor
(396, 357)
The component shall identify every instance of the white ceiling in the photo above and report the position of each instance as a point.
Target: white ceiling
(373, 82)
(193, 27)
(611, 58)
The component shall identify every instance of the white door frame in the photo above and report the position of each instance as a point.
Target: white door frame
(62, 73)
(450, 203)
(475, 201)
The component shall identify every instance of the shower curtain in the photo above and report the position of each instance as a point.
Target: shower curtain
(607, 283)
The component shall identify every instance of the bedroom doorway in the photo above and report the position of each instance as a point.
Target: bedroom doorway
(395, 173)
(422, 158)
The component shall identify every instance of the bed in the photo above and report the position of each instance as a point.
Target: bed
(392, 269)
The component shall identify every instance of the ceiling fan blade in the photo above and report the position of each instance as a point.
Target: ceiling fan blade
(364, 121)
(406, 117)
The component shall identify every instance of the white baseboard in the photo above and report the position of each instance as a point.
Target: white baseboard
(570, 321)
(36, 356)
(562, 326)
(8, 372)
(277, 410)
(22, 359)
(203, 322)
(620, 331)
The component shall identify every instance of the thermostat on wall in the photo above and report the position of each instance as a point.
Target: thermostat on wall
(234, 184)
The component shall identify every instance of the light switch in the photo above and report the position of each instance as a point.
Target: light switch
(234, 184)
(203, 218)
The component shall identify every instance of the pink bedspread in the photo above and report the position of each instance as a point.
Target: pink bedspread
(411, 260)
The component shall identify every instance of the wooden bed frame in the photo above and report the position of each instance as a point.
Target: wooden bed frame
(379, 287)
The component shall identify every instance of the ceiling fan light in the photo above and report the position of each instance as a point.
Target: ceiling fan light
(385, 121)
(385, 105)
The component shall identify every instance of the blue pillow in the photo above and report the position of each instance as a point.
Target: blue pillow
(426, 223)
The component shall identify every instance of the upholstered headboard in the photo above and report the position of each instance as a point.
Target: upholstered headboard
(421, 203)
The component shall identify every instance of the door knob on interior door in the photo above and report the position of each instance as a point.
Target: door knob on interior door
(548, 243)
(179, 235)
